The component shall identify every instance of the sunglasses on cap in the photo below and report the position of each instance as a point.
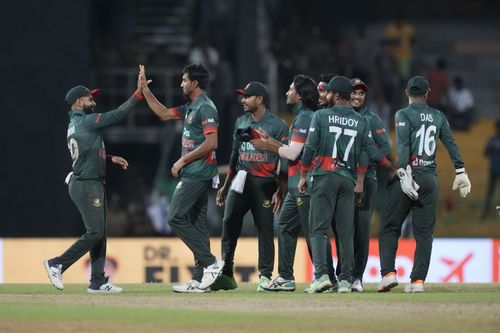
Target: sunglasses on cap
(322, 87)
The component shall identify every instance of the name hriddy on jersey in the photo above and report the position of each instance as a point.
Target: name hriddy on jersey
(343, 121)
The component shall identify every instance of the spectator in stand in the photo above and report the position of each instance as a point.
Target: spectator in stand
(438, 80)
(492, 151)
(205, 54)
(400, 37)
(461, 105)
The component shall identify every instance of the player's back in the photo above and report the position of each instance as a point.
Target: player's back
(418, 127)
(341, 130)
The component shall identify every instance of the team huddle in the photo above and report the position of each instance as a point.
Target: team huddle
(319, 173)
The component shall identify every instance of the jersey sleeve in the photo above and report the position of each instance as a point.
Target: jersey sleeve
(312, 142)
(180, 111)
(209, 119)
(110, 118)
(369, 145)
(300, 129)
(233, 160)
(402, 124)
(450, 144)
(380, 135)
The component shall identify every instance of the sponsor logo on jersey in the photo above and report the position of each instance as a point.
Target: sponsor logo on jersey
(266, 204)
(300, 202)
(97, 202)
(400, 124)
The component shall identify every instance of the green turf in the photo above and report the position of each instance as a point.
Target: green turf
(154, 308)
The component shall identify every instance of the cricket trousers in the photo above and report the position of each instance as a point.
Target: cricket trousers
(256, 197)
(187, 217)
(294, 218)
(362, 224)
(332, 199)
(423, 222)
(90, 199)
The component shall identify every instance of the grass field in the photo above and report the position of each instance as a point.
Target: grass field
(154, 308)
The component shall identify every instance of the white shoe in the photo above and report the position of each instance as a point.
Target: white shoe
(357, 286)
(415, 287)
(55, 274)
(192, 286)
(106, 288)
(388, 282)
(211, 273)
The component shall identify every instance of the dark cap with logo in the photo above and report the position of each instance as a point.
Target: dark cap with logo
(340, 84)
(358, 84)
(80, 91)
(254, 89)
(418, 85)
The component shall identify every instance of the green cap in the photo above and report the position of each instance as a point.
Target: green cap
(417, 86)
(255, 89)
(340, 84)
(80, 91)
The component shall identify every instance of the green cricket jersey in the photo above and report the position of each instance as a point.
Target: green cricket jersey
(200, 118)
(298, 133)
(379, 135)
(418, 127)
(337, 135)
(85, 142)
(244, 156)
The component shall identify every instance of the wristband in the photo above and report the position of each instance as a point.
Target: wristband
(460, 171)
(138, 96)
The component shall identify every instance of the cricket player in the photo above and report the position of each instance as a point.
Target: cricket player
(86, 183)
(294, 215)
(197, 169)
(324, 98)
(418, 127)
(364, 207)
(251, 184)
(337, 135)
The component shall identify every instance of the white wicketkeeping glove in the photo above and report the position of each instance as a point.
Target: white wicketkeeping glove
(408, 185)
(462, 182)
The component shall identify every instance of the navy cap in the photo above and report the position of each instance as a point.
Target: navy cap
(358, 84)
(417, 86)
(340, 84)
(255, 89)
(80, 91)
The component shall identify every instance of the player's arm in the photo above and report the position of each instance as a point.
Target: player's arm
(209, 119)
(310, 147)
(158, 108)
(368, 145)
(231, 172)
(164, 113)
(380, 136)
(114, 117)
(280, 193)
(402, 124)
(461, 181)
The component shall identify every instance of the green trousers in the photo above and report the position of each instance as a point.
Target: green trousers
(294, 218)
(187, 216)
(256, 197)
(332, 199)
(423, 222)
(90, 199)
(362, 223)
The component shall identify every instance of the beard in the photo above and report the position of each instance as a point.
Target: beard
(89, 109)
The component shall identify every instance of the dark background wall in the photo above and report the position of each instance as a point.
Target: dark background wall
(45, 50)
